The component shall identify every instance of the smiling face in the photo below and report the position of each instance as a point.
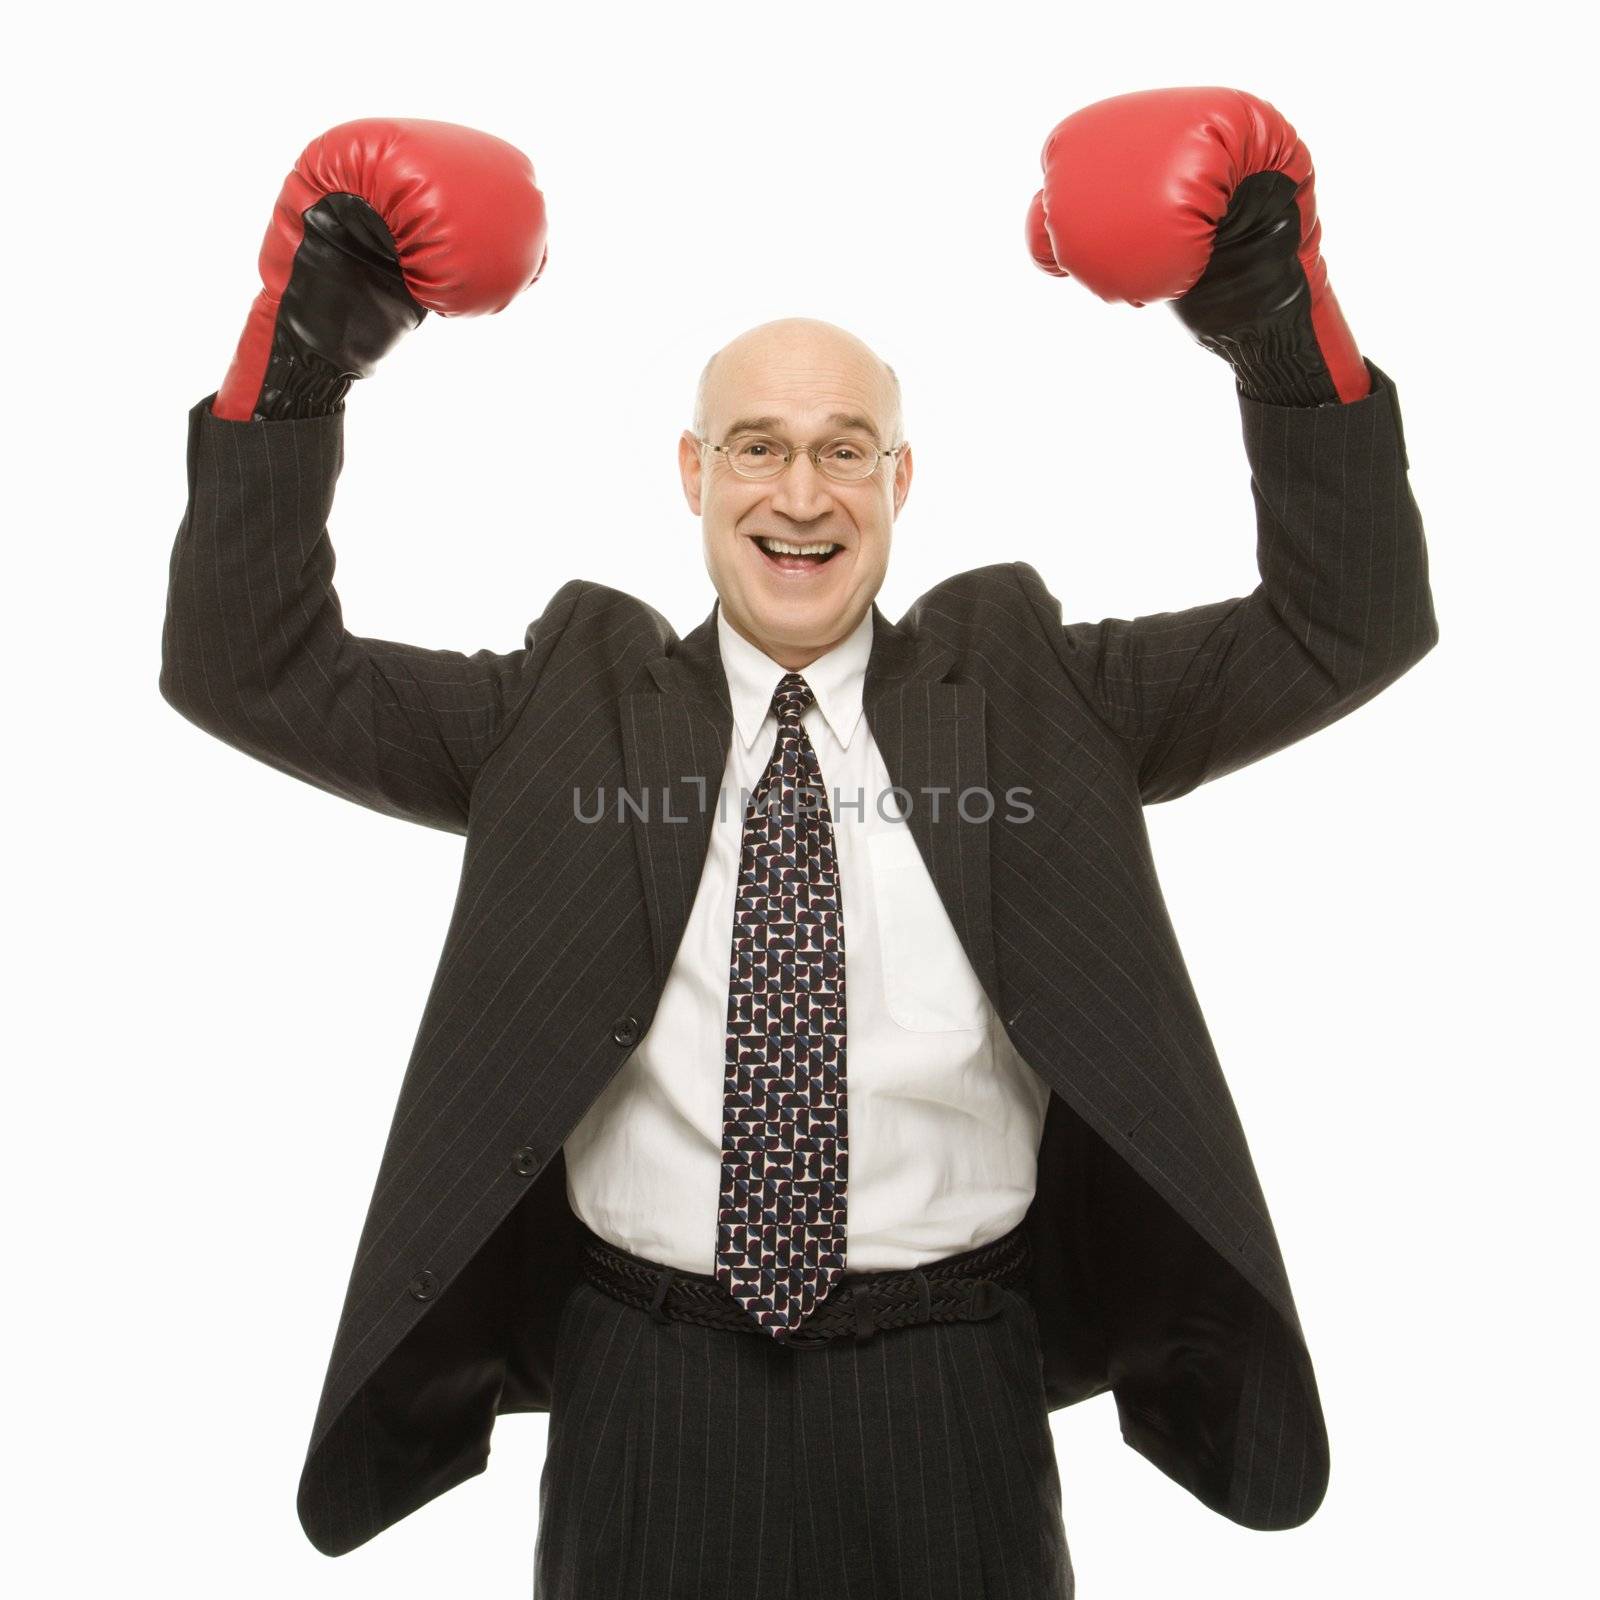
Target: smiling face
(811, 382)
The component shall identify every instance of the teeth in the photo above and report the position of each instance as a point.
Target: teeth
(780, 547)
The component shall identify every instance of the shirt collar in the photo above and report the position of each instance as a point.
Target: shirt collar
(836, 678)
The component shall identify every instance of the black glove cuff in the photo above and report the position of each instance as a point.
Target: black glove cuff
(1274, 366)
(299, 384)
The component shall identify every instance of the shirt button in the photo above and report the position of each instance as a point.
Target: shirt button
(626, 1031)
(424, 1286)
(526, 1161)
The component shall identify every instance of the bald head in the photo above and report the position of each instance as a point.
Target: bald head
(794, 354)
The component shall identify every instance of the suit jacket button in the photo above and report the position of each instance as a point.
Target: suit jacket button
(626, 1031)
(424, 1286)
(525, 1162)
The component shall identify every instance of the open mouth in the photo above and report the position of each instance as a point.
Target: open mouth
(789, 555)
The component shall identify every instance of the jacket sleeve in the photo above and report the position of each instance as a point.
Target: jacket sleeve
(254, 648)
(1342, 610)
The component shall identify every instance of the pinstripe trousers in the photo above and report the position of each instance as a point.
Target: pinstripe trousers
(710, 1463)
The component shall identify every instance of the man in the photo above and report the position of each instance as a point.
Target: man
(811, 1096)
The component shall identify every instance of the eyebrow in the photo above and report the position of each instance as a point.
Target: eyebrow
(843, 419)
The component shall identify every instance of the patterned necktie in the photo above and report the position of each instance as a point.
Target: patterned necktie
(781, 1213)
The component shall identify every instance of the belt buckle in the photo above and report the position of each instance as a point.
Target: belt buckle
(803, 1338)
(865, 1324)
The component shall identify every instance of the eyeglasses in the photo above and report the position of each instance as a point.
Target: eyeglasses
(759, 455)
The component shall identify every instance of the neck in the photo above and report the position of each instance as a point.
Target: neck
(791, 657)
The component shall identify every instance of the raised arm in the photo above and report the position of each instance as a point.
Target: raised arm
(379, 222)
(1205, 197)
(254, 649)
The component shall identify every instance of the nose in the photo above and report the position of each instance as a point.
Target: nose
(800, 491)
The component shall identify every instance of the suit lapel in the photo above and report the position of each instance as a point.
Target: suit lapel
(674, 750)
(930, 734)
(675, 738)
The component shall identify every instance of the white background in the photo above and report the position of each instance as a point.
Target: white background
(217, 973)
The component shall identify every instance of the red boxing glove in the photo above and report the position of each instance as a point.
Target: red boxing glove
(380, 222)
(1204, 197)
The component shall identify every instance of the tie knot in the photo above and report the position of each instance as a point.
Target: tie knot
(791, 697)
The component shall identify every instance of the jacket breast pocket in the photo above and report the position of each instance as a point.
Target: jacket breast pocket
(929, 985)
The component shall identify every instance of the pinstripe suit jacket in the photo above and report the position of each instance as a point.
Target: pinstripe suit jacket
(1157, 1274)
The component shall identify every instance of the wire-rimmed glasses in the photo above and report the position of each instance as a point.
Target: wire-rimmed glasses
(760, 455)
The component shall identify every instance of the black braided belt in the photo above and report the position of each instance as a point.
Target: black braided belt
(962, 1288)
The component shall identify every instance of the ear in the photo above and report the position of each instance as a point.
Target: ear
(902, 478)
(690, 458)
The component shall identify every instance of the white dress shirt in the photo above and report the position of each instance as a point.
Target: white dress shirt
(944, 1117)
